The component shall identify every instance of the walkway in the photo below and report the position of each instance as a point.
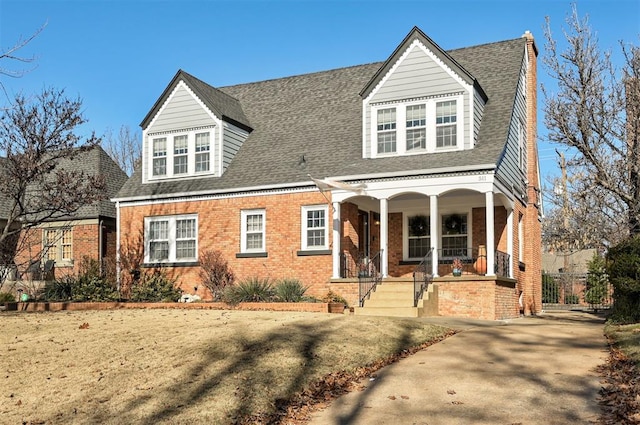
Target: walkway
(528, 371)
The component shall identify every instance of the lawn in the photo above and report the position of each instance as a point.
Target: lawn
(183, 366)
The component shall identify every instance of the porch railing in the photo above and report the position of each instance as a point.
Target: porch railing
(422, 276)
(368, 276)
(468, 261)
(502, 264)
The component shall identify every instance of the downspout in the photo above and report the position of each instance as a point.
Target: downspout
(100, 236)
(118, 245)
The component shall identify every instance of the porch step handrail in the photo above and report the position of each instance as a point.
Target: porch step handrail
(422, 277)
(369, 277)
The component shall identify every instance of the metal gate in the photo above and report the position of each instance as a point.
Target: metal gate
(576, 291)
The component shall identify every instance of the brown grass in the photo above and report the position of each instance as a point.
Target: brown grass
(180, 366)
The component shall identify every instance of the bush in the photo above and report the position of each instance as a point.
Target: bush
(597, 281)
(289, 291)
(623, 268)
(155, 287)
(332, 297)
(571, 299)
(550, 290)
(249, 290)
(7, 297)
(90, 284)
(215, 273)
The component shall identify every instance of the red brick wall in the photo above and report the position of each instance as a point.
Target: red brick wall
(477, 299)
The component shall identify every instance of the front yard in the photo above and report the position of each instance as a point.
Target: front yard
(186, 366)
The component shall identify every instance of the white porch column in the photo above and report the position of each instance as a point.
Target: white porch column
(434, 235)
(491, 252)
(335, 252)
(510, 241)
(384, 236)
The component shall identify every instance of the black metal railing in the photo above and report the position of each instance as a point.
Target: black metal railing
(369, 276)
(471, 261)
(501, 266)
(422, 277)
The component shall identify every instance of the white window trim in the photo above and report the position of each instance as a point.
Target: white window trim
(401, 126)
(191, 155)
(303, 236)
(243, 230)
(405, 232)
(172, 237)
(521, 238)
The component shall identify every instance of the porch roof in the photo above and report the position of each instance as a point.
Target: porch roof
(312, 124)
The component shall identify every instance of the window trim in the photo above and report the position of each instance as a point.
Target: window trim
(172, 238)
(430, 127)
(191, 153)
(405, 233)
(244, 214)
(57, 245)
(303, 227)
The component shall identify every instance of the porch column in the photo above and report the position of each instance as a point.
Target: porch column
(510, 241)
(434, 236)
(491, 251)
(335, 252)
(384, 236)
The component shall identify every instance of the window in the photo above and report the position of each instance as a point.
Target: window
(160, 156)
(180, 155)
(387, 130)
(315, 232)
(171, 239)
(416, 127)
(58, 245)
(454, 235)
(202, 152)
(418, 235)
(446, 128)
(253, 231)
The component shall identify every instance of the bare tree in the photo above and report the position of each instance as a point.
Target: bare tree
(592, 115)
(39, 183)
(12, 56)
(126, 150)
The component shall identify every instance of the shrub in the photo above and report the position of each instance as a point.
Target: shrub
(215, 273)
(90, 284)
(550, 290)
(7, 297)
(597, 281)
(289, 291)
(155, 287)
(59, 290)
(249, 290)
(332, 297)
(571, 299)
(623, 268)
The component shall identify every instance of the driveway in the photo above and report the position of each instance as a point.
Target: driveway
(533, 370)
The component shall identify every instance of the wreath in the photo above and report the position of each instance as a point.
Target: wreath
(418, 225)
(453, 224)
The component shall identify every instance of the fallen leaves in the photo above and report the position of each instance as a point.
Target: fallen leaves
(620, 395)
(84, 326)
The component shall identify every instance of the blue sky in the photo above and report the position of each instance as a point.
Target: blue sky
(118, 56)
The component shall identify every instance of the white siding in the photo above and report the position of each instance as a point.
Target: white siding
(233, 138)
(181, 111)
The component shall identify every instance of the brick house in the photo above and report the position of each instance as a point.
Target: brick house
(56, 247)
(425, 161)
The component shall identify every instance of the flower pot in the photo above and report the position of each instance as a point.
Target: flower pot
(481, 262)
(457, 272)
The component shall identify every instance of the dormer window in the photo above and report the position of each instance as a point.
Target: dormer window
(416, 127)
(160, 156)
(446, 129)
(387, 130)
(203, 147)
(181, 154)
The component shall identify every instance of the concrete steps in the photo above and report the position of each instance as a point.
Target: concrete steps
(394, 298)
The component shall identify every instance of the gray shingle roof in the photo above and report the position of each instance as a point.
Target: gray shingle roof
(318, 116)
(91, 162)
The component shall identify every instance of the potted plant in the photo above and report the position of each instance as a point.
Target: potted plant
(456, 266)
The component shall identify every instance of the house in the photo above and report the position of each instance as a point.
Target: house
(55, 247)
(420, 162)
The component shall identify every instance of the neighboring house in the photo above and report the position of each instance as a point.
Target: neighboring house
(429, 149)
(57, 247)
(572, 262)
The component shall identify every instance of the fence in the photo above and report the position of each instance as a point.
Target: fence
(576, 291)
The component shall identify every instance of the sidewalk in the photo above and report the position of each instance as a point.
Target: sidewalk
(527, 371)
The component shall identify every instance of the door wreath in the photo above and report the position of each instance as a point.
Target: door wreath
(453, 223)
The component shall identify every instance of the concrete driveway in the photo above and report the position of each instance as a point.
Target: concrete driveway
(534, 370)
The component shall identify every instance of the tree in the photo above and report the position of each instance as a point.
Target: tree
(593, 114)
(126, 150)
(38, 137)
(12, 55)
(597, 290)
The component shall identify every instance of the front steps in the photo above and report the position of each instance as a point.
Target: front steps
(394, 298)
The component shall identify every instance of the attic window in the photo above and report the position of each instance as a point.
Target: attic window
(387, 130)
(160, 156)
(185, 154)
(446, 118)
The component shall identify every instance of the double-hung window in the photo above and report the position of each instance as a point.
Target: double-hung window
(418, 235)
(416, 127)
(180, 154)
(315, 229)
(253, 231)
(171, 238)
(446, 124)
(202, 152)
(58, 245)
(454, 235)
(160, 156)
(387, 130)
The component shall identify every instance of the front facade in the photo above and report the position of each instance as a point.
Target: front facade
(429, 157)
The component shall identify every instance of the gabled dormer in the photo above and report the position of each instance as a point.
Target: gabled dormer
(420, 101)
(193, 130)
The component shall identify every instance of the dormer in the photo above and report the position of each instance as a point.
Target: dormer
(193, 130)
(420, 101)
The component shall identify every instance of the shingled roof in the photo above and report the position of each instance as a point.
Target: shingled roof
(312, 124)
